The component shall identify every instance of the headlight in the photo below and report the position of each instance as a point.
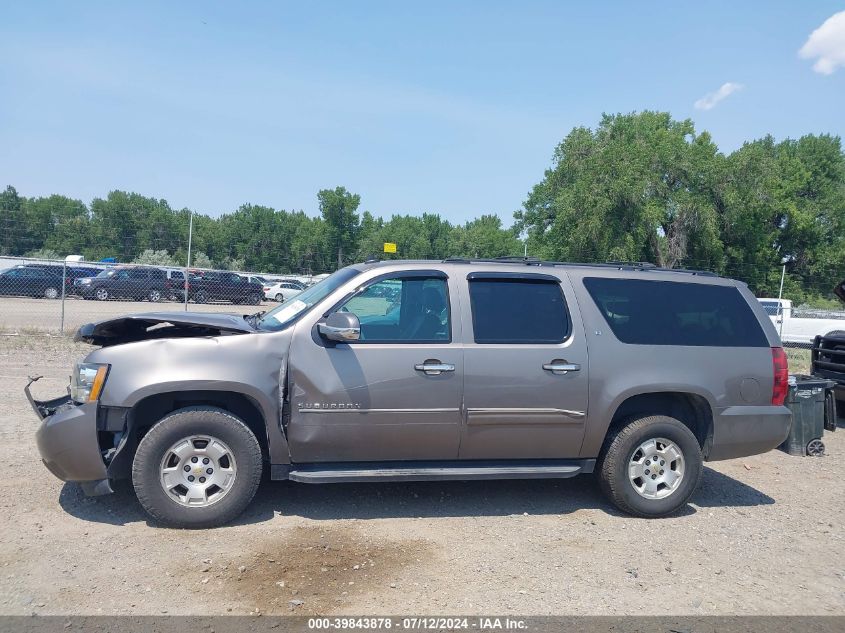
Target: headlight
(87, 380)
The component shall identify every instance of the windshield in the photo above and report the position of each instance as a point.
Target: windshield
(288, 311)
(107, 273)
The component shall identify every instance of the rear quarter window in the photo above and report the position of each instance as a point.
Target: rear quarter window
(645, 312)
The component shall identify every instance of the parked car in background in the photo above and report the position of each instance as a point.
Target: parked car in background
(31, 281)
(283, 290)
(70, 273)
(126, 282)
(256, 279)
(799, 329)
(75, 273)
(213, 285)
(408, 371)
(175, 284)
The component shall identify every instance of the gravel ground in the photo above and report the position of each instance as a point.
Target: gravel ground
(763, 535)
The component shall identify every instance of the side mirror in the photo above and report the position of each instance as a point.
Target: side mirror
(341, 326)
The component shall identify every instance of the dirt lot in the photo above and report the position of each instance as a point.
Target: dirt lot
(763, 535)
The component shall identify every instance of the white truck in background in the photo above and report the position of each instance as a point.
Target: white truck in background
(800, 329)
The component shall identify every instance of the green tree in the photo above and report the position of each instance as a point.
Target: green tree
(638, 188)
(43, 253)
(484, 238)
(338, 208)
(11, 222)
(201, 260)
(58, 223)
(149, 257)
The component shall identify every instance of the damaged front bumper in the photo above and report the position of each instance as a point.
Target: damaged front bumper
(67, 441)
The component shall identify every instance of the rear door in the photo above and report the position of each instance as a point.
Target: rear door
(526, 368)
(394, 394)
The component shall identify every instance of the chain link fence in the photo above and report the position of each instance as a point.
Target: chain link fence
(54, 297)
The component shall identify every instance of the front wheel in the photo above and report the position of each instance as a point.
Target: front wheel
(200, 297)
(651, 466)
(154, 295)
(280, 297)
(51, 293)
(254, 299)
(196, 468)
(102, 294)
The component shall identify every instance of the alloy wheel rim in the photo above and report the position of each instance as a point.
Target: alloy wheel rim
(656, 468)
(198, 471)
(51, 293)
(102, 293)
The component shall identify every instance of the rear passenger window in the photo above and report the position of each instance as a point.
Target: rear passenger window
(519, 311)
(647, 312)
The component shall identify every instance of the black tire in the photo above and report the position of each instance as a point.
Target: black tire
(280, 298)
(254, 299)
(620, 449)
(181, 424)
(200, 296)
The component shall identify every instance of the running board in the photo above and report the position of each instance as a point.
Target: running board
(433, 471)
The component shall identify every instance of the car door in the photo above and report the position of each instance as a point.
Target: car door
(525, 368)
(288, 290)
(9, 281)
(394, 394)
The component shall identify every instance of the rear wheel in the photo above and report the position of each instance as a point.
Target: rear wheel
(651, 466)
(51, 293)
(102, 294)
(154, 295)
(200, 296)
(254, 299)
(197, 468)
(280, 297)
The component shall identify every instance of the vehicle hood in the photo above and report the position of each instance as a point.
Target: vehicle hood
(839, 291)
(156, 325)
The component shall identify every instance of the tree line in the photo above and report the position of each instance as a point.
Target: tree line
(639, 187)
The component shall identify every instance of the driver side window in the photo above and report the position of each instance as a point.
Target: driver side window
(409, 310)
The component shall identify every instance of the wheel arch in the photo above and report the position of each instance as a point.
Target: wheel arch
(148, 410)
(692, 409)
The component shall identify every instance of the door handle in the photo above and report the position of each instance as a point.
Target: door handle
(561, 367)
(434, 367)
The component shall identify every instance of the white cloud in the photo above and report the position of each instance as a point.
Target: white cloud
(827, 45)
(710, 100)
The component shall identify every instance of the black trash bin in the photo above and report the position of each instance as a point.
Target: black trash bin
(808, 400)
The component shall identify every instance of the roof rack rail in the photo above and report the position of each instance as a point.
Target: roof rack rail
(517, 258)
(619, 265)
(634, 264)
(689, 271)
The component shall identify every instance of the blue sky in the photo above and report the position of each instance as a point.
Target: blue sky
(445, 107)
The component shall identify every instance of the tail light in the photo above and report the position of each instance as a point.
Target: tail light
(780, 368)
(266, 288)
